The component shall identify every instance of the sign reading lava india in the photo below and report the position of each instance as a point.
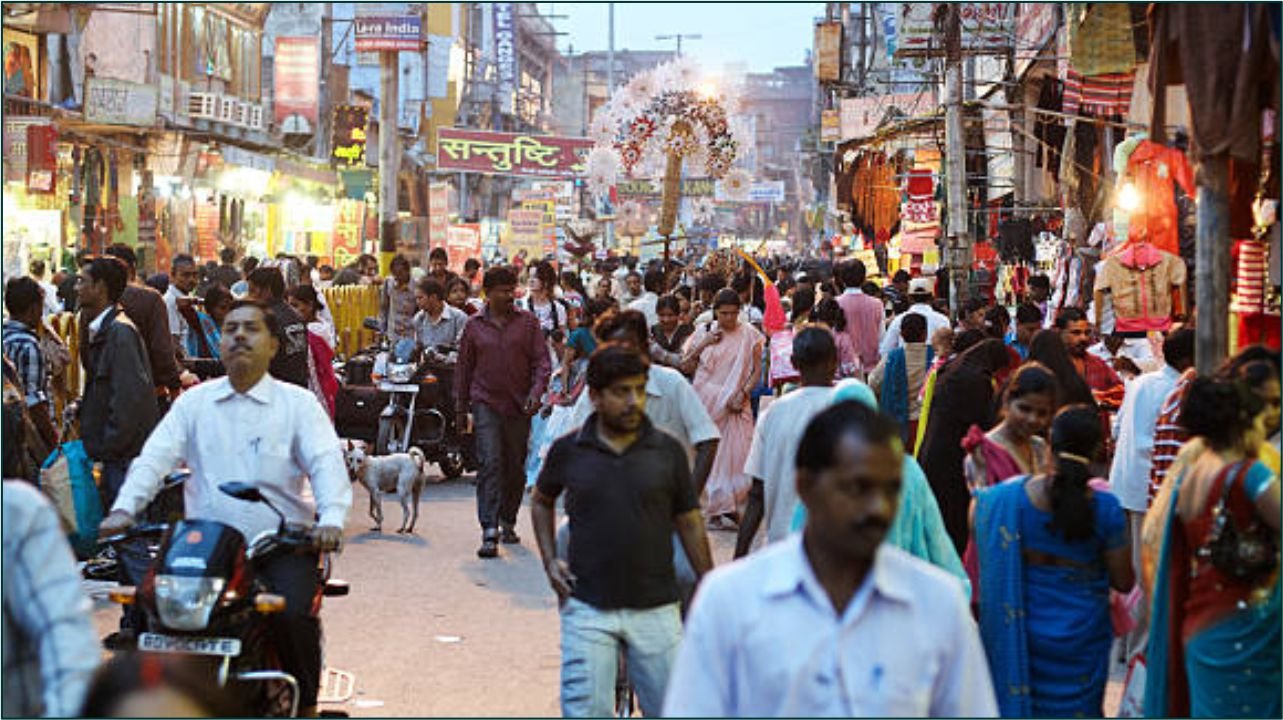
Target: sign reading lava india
(376, 33)
(510, 154)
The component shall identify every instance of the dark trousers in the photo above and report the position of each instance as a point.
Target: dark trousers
(501, 452)
(132, 558)
(296, 633)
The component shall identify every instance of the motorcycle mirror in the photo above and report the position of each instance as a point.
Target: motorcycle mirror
(241, 491)
(371, 324)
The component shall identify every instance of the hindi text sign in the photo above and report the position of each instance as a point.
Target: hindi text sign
(117, 102)
(494, 153)
(296, 73)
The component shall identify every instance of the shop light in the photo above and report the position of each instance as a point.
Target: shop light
(1128, 197)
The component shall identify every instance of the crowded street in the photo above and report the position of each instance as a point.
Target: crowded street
(642, 360)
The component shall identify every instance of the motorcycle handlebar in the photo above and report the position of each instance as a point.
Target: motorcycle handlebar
(137, 531)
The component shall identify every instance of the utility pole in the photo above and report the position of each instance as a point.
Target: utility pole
(609, 240)
(1212, 266)
(679, 37)
(389, 157)
(958, 250)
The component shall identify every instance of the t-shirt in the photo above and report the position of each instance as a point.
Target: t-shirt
(290, 362)
(621, 508)
(774, 452)
(1140, 288)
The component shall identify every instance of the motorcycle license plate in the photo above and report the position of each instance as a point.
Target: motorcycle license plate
(224, 647)
(396, 387)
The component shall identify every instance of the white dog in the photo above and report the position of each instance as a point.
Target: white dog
(402, 474)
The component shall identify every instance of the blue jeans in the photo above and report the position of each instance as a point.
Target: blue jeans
(590, 642)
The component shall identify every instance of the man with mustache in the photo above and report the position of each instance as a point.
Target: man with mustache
(628, 487)
(250, 427)
(1076, 333)
(833, 622)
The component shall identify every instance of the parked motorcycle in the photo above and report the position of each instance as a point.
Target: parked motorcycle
(202, 598)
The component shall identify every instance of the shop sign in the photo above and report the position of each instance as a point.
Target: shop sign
(759, 192)
(117, 102)
(828, 51)
(438, 215)
(987, 28)
(464, 241)
(349, 134)
(527, 232)
(296, 73)
(1035, 24)
(860, 117)
(494, 153)
(830, 126)
(15, 144)
(42, 158)
(233, 155)
(349, 216)
(505, 55)
(691, 187)
(388, 33)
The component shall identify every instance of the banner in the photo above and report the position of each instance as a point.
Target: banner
(691, 187)
(505, 55)
(860, 117)
(494, 153)
(349, 135)
(526, 233)
(830, 126)
(15, 144)
(1035, 25)
(987, 28)
(116, 102)
(759, 192)
(296, 73)
(438, 215)
(828, 51)
(464, 241)
(22, 64)
(396, 33)
(349, 216)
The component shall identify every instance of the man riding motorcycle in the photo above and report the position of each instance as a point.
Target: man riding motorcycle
(249, 427)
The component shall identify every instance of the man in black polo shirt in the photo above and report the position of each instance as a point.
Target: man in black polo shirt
(627, 487)
(267, 285)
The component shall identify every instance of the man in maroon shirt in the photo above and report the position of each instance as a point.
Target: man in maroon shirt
(501, 376)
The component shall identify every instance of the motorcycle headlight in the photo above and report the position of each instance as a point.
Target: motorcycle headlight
(401, 373)
(185, 603)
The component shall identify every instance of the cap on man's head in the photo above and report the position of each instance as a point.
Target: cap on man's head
(921, 286)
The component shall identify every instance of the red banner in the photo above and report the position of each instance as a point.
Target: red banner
(295, 74)
(511, 154)
(438, 214)
(464, 242)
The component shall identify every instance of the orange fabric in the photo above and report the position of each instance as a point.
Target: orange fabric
(1153, 168)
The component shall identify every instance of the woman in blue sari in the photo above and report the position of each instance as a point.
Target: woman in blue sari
(1050, 548)
(1214, 644)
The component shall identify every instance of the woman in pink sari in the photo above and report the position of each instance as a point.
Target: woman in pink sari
(726, 357)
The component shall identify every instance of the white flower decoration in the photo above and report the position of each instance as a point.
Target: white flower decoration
(736, 184)
(603, 169)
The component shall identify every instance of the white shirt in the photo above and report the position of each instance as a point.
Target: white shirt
(53, 305)
(177, 325)
(274, 437)
(935, 321)
(1134, 453)
(762, 639)
(772, 458)
(646, 305)
(671, 404)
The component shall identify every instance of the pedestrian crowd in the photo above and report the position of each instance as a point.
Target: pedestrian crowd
(932, 515)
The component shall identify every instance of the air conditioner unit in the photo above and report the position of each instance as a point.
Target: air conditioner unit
(228, 109)
(202, 105)
(254, 118)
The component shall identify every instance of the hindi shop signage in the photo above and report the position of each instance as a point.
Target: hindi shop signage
(388, 33)
(987, 28)
(296, 71)
(349, 135)
(505, 55)
(494, 153)
(117, 102)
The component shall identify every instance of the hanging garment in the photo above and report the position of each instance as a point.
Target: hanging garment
(1015, 241)
(1102, 96)
(1100, 38)
(1153, 169)
(1250, 277)
(1049, 130)
(1140, 279)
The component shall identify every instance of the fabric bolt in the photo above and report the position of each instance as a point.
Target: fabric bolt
(1100, 38)
(772, 457)
(724, 370)
(905, 645)
(1153, 170)
(1140, 280)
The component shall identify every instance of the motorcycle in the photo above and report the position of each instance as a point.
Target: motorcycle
(202, 598)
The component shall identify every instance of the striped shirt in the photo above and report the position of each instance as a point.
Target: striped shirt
(23, 349)
(1169, 436)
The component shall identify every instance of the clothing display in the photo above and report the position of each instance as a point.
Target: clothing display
(1108, 95)
(1140, 280)
(1153, 169)
(1100, 38)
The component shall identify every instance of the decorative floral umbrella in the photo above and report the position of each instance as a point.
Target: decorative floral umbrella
(660, 120)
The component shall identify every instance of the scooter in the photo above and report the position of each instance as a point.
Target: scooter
(202, 598)
(419, 412)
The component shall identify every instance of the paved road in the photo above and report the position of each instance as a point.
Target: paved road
(431, 630)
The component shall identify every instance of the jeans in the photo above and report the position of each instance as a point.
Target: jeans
(591, 639)
(501, 477)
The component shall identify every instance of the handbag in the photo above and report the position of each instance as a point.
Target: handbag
(1242, 553)
(67, 478)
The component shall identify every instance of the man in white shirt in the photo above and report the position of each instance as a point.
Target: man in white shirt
(920, 294)
(834, 622)
(775, 438)
(183, 278)
(653, 282)
(52, 305)
(250, 427)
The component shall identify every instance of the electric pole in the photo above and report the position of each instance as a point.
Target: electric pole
(679, 37)
(389, 157)
(958, 250)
